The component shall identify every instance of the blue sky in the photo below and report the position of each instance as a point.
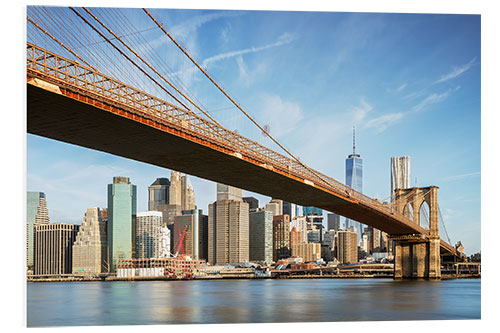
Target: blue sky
(410, 83)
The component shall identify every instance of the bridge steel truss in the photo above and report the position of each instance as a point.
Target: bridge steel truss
(61, 76)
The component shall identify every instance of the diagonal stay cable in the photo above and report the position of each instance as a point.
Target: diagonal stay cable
(60, 43)
(147, 64)
(236, 104)
(444, 227)
(127, 57)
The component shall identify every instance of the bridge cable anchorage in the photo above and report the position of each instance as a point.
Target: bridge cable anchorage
(151, 67)
(444, 227)
(128, 58)
(236, 104)
(60, 43)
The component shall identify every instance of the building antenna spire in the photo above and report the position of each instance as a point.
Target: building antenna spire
(354, 140)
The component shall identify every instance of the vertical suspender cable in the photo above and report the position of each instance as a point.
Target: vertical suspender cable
(236, 104)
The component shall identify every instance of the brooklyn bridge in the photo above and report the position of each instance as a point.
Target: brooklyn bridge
(78, 95)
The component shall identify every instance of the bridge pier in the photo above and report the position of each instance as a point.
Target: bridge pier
(418, 256)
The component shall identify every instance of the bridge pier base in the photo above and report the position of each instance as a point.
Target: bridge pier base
(416, 258)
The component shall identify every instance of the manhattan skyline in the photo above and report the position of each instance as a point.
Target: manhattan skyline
(412, 91)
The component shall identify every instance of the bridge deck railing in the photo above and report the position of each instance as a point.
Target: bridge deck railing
(72, 73)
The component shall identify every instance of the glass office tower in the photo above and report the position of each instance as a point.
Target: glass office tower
(308, 210)
(122, 209)
(354, 179)
(36, 213)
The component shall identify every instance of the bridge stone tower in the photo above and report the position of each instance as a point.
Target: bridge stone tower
(418, 255)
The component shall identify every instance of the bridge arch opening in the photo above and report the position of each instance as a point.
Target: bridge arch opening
(408, 211)
(424, 212)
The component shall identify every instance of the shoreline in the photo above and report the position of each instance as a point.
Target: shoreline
(346, 276)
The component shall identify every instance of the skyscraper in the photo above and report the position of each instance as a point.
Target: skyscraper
(122, 209)
(354, 179)
(226, 192)
(281, 237)
(273, 207)
(346, 247)
(288, 209)
(307, 251)
(158, 193)
(36, 213)
(279, 202)
(261, 237)
(175, 196)
(193, 226)
(300, 225)
(400, 173)
(228, 227)
(187, 194)
(90, 246)
(180, 194)
(164, 243)
(53, 245)
(308, 210)
(252, 202)
(147, 234)
(333, 221)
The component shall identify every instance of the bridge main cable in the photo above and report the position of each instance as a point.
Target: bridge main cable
(236, 104)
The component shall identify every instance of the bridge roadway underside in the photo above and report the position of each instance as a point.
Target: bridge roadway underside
(56, 116)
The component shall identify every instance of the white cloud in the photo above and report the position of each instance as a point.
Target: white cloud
(457, 71)
(401, 87)
(282, 116)
(360, 112)
(186, 75)
(398, 89)
(285, 38)
(188, 27)
(225, 32)
(434, 98)
(249, 75)
(381, 123)
(462, 176)
(242, 67)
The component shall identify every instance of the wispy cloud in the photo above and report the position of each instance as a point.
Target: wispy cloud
(186, 28)
(398, 89)
(463, 176)
(225, 32)
(285, 38)
(352, 35)
(457, 71)
(360, 112)
(433, 98)
(383, 122)
(282, 116)
(249, 75)
(401, 87)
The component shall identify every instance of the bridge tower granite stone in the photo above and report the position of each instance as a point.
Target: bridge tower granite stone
(418, 256)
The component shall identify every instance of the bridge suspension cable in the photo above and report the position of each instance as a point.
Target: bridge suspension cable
(145, 62)
(127, 57)
(60, 43)
(232, 101)
(444, 227)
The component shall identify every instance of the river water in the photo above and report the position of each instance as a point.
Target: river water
(249, 301)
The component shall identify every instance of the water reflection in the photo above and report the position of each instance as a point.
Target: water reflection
(249, 301)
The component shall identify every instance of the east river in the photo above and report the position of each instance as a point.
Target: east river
(249, 301)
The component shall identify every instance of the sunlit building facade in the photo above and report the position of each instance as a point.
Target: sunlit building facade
(354, 179)
(122, 210)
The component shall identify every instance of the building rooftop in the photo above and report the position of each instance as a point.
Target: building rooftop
(161, 181)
